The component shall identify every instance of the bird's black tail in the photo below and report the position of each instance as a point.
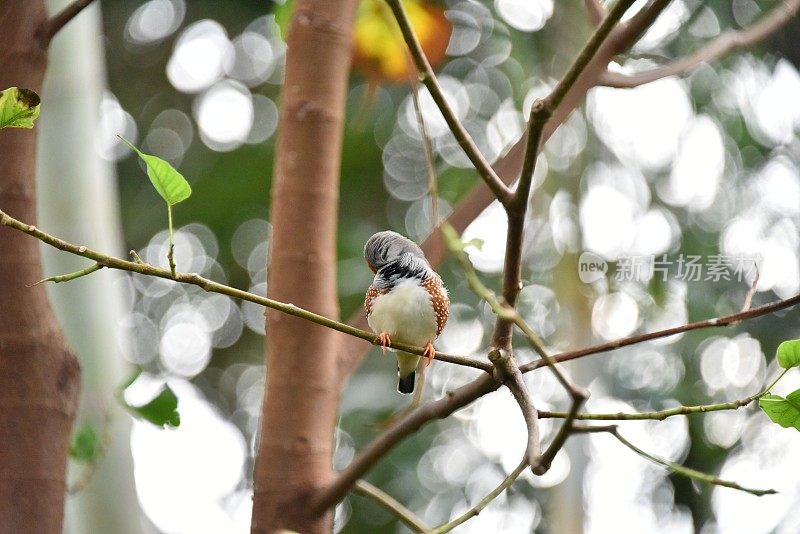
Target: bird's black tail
(405, 385)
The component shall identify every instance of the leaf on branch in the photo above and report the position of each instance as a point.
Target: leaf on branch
(169, 183)
(18, 108)
(789, 354)
(785, 412)
(85, 444)
(161, 411)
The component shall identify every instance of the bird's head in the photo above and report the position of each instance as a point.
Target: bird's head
(386, 247)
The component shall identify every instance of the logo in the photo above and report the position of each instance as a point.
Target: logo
(591, 267)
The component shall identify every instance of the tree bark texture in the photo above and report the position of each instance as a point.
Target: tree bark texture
(302, 393)
(38, 375)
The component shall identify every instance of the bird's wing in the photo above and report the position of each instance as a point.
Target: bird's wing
(439, 299)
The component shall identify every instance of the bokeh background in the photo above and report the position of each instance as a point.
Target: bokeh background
(703, 166)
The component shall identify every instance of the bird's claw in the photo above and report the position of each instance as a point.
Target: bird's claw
(384, 341)
(429, 353)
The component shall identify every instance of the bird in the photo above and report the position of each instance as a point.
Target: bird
(406, 302)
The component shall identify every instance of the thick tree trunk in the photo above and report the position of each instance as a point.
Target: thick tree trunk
(301, 399)
(38, 375)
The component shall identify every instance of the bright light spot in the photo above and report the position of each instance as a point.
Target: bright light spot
(140, 337)
(607, 220)
(733, 365)
(254, 59)
(114, 121)
(248, 236)
(185, 476)
(464, 332)
(539, 307)
(698, 166)
(225, 115)
(525, 15)
(186, 343)
(166, 144)
(499, 429)
(624, 121)
(455, 94)
(155, 20)
(656, 231)
(202, 53)
(664, 28)
(265, 119)
(778, 187)
(647, 369)
(490, 227)
(724, 428)
(614, 315)
(503, 129)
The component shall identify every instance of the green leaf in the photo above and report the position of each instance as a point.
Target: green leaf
(785, 412)
(169, 183)
(85, 444)
(161, 411)
(18, 108)
(789, 354)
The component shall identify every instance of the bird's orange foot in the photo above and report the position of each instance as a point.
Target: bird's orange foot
(384, 340)
(429, 353)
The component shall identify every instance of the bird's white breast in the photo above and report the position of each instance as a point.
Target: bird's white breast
(405, 313)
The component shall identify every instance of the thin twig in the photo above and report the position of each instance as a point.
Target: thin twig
(719, 47)
(406, 516)
(71, 276)
(433, 182)
(428, 78)
(687, 472)
(748, 299)
(483, 503)
(725, 320)
(660, 415)
(51, 26)
(215, 287)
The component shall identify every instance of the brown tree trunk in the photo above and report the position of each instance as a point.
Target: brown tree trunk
(302, 393)
(38, 375)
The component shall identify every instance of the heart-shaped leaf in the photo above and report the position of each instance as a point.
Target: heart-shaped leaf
(169, 183)
(162, 410)
(18, 108)
(789, 354)
(783, 411)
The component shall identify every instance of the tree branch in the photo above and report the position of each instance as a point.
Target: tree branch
(427, 77)
(682, 470)
(721, 46)
(140, 267)
(663, 414)
(406, 516)
(509, 372)
(483, 503)
(51, 26)
(381, 445)
(638, 24)
(725, 320)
